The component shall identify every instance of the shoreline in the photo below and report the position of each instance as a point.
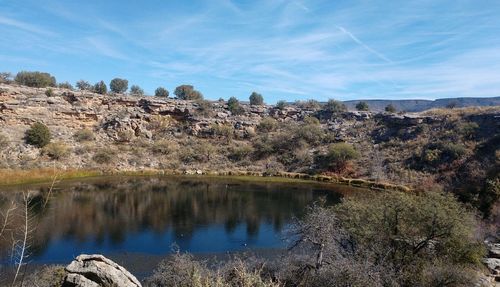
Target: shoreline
(12, 178)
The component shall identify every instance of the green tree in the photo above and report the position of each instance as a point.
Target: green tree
(362, 106)
(256, 99)
(118, 85)
(335, 106)
(38, 135)
(390, 108)
(338, 156)
(161, 92)
(187, 92)
(35, 79)
(83, 85)
(100, 88)
(399, 237)
(233, 105)
(136, 91)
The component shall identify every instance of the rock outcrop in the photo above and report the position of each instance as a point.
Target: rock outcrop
(97, 271)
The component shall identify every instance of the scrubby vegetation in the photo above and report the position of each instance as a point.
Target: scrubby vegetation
(118, 85)
(256, 99)
(38, 135)
(35, 79)
(187, 92)
(391, 239)
(161, 92)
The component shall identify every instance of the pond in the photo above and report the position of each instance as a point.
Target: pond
(147, 215)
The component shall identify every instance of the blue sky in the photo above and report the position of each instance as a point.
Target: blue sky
(290, 50)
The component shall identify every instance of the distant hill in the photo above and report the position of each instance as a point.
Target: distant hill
(421, 105)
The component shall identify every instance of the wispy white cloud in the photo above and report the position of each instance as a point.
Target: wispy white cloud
(25, 26)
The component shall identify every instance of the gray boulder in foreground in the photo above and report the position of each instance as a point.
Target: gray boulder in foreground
(96, 271)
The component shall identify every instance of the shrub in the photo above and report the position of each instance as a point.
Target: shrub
(362, 106)
(267, 124)
(100, 88)
(136, 91)
(390, 108)
(84, 85)
(453, 151)
(398, 238)
(337, 156)
(335, 106)
(84, 135)
(467, 129)
(49, 92)
(38, 135)
(256, 99)
(161, 92)
(224, 130)
(280, 105)
(187, 92)
(35, 79)
(118, 85)
(65, 85)
(205, 108)
(104, 156)
(239, 152)
(56, 150)
(162, 147)
(233, 105)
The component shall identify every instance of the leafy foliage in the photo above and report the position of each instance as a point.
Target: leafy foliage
(187, 92)
(280, 105)
(100, 88)
(234, 106)
(337, 157)
(65, 85)
(118, 85)
(83, 85)
(362, 106)
(136, 91)
(335, 106)
(38, 135)
(35, 79)
(390, 108)
(256, 99)
(161, 92)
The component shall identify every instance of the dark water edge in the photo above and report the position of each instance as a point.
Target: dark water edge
(135, 220)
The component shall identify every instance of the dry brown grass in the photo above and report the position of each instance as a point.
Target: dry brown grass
(461, 111)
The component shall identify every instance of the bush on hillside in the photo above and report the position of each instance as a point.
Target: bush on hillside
(205, 108)
(35, 79)
(335, 106)
(104, 156)
(390, 108)
(118, 85)
(84, 86)
(136, 91)
(100, 88)
(38, 135)
(56, 150)
(187, 92)
(49, 92)
(267, 124)
(337, 157)
(256, 99)
(362, 106)
(83, 135)
(4, 141)
(161, 92)
(233, 105)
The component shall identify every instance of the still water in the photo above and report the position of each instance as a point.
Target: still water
(147, 215)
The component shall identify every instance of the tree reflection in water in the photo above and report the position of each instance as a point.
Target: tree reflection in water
(148, 214)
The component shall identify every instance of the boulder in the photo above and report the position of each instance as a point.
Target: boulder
(97, 270)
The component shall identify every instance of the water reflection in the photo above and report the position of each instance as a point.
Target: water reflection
(148, 214)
